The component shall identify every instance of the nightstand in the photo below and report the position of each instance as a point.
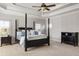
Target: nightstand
(6, 40)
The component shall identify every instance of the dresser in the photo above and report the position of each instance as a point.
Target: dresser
(69, 38)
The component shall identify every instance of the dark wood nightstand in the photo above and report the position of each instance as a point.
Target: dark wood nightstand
(6, 40)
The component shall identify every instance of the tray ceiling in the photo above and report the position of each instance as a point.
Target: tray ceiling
(29, 5)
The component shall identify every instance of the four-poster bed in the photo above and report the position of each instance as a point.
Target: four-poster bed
(34, 40)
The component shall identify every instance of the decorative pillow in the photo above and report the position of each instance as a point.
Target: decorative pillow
(36, 33)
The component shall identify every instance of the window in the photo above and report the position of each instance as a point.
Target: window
(4, 28)
(37, 26)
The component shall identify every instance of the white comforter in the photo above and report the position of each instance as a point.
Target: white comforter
(31, 37)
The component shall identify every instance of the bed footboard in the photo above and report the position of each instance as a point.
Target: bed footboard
(32, 43)
(38, 42)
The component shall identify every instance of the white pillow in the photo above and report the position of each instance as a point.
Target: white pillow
(19, 33)
(32, 32)
(39, 33)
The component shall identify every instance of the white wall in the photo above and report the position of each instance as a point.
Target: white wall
(21, 21)
(67, 22)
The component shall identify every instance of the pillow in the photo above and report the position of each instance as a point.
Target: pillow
(39, 33)
(23, 34)
(36, 32)
(19, 33)
(32, 32)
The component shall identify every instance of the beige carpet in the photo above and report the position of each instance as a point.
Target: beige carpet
(55, 49)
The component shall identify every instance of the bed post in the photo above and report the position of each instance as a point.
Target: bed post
(25, 32)
(16, 31)
(34, 25)
(48, 31)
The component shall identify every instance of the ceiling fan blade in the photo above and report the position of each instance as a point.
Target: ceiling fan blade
(36, 6)
(47, 8)
(51, 5)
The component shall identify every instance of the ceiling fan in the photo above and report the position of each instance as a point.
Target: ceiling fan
(44, 7)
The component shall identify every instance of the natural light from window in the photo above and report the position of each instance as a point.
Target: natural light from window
(4, 28)
(38, 26)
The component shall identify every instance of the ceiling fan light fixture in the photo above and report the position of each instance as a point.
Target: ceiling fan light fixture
(44, 7)
(45, 11)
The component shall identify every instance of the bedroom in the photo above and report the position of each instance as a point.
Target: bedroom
(38, 20)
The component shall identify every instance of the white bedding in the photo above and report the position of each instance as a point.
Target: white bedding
(22, 40)
(31, 37)
(34, 37)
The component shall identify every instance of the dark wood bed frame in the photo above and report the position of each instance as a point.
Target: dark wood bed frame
(32, 43)
(36, 42)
